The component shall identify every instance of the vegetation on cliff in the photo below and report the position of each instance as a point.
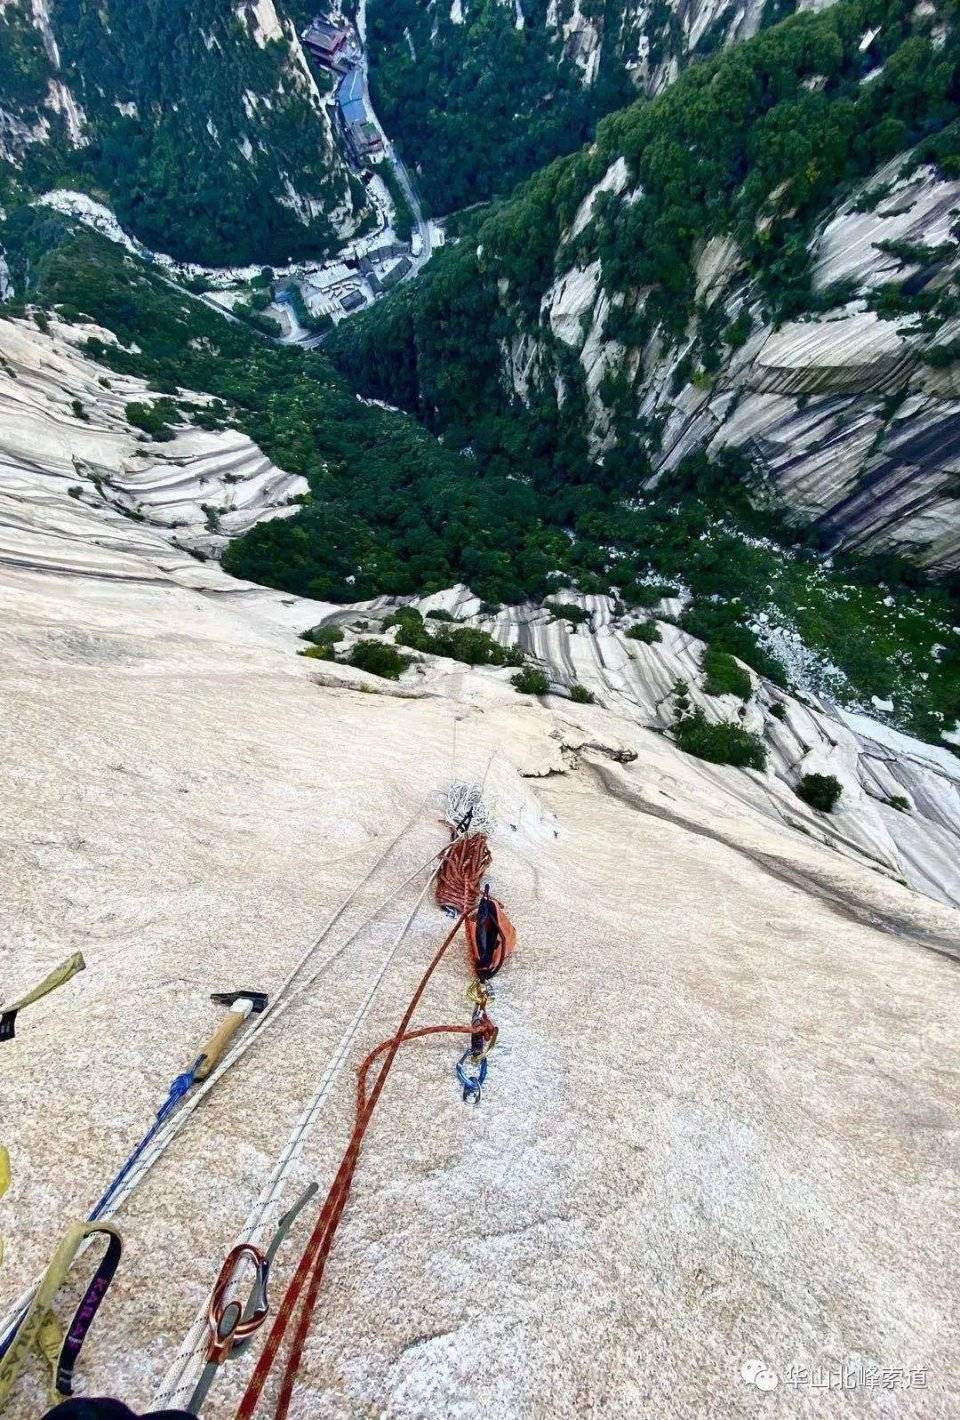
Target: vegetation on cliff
(207, 143)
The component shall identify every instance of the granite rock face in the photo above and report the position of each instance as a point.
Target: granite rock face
(719, 1123)
(82, 489)
(854, 425)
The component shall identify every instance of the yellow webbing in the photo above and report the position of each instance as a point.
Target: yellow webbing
(41, 1331)
(58, 977)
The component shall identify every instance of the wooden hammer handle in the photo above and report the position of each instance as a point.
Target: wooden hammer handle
(216, 1046)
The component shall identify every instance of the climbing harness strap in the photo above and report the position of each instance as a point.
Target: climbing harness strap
(58, 977)
(40, 1330)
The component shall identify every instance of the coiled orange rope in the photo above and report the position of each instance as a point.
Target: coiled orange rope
(461, 872)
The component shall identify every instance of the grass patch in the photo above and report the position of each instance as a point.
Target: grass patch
(724, 676)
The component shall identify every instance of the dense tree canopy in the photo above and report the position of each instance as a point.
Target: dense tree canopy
(197, 135)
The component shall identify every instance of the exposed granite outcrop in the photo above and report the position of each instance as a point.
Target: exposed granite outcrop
(856, 432)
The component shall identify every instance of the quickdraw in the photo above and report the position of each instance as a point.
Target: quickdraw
(232, 1327)
(483, 1037)
(40, 1330)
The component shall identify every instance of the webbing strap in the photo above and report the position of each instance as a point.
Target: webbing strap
(40, 1331)
(4, 1181)
(58, 977)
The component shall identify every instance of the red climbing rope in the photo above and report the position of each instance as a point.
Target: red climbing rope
(315, 1254)
(462, 871)
(490, 932)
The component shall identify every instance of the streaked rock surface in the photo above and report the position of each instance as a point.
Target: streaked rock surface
(83, 489)
(720, 1123)
(856, 433)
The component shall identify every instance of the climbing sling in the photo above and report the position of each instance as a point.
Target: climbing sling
(58, 977)
(40, 1330)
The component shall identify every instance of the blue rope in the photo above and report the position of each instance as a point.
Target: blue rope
(472, 1084)
(180, 1087)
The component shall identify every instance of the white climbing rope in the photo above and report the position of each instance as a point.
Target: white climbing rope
(463, 798)
(178, 1384)
(290, 990)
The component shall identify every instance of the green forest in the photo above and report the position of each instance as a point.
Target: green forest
(506, 497)
(787, 114)
(705, 158)
(174, 92)
(480, 105)
(393, 510)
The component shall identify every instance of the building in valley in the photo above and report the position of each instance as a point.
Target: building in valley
(362, 136)
(328, 43)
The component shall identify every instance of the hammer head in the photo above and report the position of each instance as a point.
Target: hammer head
(230, 998)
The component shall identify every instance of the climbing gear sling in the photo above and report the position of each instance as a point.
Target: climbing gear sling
(58, 977)
(40, 1330)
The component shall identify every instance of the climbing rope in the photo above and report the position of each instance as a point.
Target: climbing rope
(309, 1272)
(178, 1380)
(462, 870)
(179, 1087)
(150, 1150)
(223, 1325)
(489, 930)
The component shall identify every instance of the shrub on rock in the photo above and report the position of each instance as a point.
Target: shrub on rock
(820, 791)
(724, 675)
(581, 695)
(720, 743)
(323, 635)
(530, 681)
(646, 631)
(569, 611)
(379, 658)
